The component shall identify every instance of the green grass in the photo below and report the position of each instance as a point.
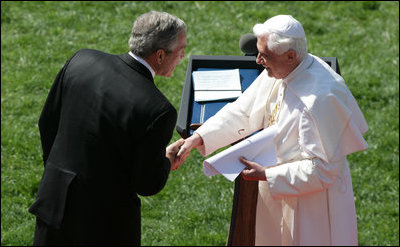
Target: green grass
(38, 37)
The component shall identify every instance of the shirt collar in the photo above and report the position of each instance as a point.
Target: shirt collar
(307, 61)
(142, 61)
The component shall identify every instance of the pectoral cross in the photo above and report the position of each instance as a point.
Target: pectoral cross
(272, 118)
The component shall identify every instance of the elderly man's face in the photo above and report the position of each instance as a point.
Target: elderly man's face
(277, 66)
(173, 58)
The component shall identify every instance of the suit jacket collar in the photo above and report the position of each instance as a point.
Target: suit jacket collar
(134, 64)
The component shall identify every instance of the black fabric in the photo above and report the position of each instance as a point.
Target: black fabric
(104, 129)
(52, 198)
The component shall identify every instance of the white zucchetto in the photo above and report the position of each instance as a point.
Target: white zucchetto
(284, 25)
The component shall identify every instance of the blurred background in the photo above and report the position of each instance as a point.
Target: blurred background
(38, 37)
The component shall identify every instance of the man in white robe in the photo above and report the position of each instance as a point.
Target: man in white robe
(307, 198)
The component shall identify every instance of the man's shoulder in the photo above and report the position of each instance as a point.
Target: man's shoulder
(319, 83)
(318, 78)
(86, 53)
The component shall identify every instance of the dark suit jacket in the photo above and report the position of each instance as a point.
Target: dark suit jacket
(104, 129)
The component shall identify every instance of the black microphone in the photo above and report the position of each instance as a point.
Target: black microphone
(248, 44)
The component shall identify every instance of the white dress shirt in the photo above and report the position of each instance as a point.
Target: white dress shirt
(142, 61)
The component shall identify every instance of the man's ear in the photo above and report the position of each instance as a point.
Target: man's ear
(291, 56)
(160, 56)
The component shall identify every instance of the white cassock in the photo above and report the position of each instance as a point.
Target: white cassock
(308, 196)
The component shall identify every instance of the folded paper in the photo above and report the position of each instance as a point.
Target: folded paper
(259, 148)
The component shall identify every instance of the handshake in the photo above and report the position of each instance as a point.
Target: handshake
(178, 151)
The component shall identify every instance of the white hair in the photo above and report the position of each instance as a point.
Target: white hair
(279, 44)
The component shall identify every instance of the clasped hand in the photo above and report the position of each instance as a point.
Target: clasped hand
(171, 153)
(178, 151)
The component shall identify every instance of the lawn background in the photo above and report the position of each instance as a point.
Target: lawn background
(38, 37)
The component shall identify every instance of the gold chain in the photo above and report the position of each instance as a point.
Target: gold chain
(273, 116)
(272, 119)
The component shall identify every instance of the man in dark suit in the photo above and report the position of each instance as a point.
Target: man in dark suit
(104, 130)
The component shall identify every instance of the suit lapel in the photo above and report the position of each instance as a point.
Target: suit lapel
(134, 64)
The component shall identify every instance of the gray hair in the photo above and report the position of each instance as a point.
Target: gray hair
(279, 43)
(155, 30)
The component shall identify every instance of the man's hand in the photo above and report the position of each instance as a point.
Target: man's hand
(171, 153)
(253, 170)
(192, 142)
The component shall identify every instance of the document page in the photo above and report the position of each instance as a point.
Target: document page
(259, 148)
(216, 85)
(202, 96)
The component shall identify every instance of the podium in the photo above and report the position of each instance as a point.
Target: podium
(192, 114)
